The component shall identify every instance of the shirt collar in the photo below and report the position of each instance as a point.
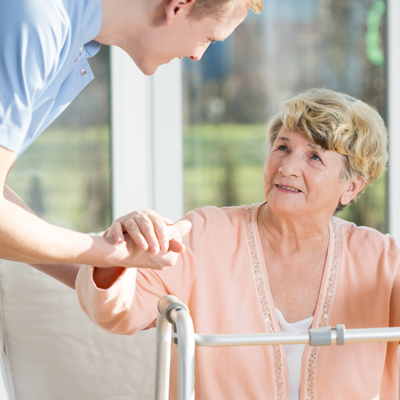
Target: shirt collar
(91, 48)
(92, 17)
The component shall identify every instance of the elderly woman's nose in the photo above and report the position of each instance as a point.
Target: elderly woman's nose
(291, 165)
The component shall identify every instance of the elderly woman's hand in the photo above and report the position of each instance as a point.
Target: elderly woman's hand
(146, 231)
(140, 246)
(149, 231)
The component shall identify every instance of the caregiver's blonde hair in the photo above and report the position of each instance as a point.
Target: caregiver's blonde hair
(336, 121)
(220, 8)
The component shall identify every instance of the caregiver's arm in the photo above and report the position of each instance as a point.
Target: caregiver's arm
(27, 238)
(65, 273)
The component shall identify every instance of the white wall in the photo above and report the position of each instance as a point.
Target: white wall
(146, 138)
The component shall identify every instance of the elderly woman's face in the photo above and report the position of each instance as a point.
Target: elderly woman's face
(301, 177)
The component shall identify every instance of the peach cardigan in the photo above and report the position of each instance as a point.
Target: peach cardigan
(222, 278)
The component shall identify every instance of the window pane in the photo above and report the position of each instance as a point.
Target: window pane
(229, 94)
(64, 176)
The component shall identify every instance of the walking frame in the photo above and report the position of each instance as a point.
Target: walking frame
(172, 312)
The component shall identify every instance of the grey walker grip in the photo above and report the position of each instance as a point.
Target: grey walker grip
(167, 304)
(320, 336)
(340, 329)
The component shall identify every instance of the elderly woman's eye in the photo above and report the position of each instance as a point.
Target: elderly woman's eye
(282, 147)
(315, 157)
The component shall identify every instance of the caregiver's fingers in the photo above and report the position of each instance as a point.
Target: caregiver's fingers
(164, 233)
(150, 231)
(144, 229)
(116, 231)
(160, 225)
(129, 225)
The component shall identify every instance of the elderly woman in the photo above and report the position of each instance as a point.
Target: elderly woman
(284, 265)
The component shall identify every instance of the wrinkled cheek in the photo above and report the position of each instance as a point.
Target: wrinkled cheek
(269, 173)
(267, 189)
(317, 195)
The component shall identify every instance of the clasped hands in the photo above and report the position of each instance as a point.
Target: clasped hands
(144, 239)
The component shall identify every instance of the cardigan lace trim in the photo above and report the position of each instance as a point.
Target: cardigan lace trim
(326, 309)
(263, 299)
(260, 285)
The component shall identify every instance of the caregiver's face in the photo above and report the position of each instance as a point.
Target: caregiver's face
(301, 177)
(186, 37)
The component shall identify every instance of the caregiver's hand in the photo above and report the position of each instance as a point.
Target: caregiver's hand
(151, 240)
(150, 231)
(105, 277)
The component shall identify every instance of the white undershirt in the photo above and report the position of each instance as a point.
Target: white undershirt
(294, 352)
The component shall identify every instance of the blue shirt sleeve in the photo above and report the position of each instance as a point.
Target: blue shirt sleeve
(31, 42)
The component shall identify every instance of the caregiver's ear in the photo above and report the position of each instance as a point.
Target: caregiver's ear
(175, 7)
(355, 186)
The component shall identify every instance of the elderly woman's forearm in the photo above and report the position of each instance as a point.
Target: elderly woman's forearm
(108, 308)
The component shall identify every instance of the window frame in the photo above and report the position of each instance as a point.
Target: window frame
(393, 82)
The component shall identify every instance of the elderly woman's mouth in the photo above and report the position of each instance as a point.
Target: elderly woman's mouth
(292, 189)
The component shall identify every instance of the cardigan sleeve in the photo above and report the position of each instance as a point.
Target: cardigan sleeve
(130, 304)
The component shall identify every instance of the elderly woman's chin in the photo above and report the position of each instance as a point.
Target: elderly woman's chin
(285, 201)
(291, 204)
(299, 204)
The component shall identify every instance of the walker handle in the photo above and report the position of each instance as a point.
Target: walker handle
(169, 303)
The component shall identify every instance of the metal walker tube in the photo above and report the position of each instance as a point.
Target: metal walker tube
(186, 345)
(173, 311)
(163, 358)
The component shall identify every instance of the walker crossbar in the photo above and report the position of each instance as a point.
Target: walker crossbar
(173, 311)
(254, 339)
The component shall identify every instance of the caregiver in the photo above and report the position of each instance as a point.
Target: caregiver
(44, 47)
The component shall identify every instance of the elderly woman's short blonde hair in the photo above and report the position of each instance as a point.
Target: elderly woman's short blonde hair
(336, 121)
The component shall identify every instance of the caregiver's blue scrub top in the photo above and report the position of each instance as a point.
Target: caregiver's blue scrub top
(44, 46)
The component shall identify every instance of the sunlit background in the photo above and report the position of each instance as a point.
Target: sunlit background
(230, 94)
(65, 176)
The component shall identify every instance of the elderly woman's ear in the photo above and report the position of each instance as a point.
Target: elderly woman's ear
(353, 187)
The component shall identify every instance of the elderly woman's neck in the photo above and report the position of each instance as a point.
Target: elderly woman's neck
(288, 233)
